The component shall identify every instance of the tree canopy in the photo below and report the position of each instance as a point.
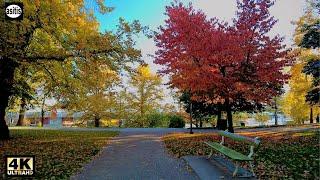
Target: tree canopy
(145, 95)
(59, 31)
(227, 63)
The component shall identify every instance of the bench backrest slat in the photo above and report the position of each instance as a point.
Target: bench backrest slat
(237, 137)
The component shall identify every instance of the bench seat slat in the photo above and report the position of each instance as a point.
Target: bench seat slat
(229, 152)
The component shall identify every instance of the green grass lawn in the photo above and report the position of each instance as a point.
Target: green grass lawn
(59, 154)
(280, 155)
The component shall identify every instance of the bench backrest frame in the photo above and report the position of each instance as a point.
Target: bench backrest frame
(253, 142)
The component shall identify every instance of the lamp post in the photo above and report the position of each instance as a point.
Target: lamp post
(275, 112)
(191, 132)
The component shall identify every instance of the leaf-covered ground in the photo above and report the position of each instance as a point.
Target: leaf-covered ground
(59, 154)
(280, 155)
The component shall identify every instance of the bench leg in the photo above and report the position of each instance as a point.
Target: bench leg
(251, 168)
(210, 155)
(235, 172)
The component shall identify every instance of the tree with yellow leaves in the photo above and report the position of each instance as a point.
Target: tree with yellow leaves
(59, 31)
(145, 95)
(294, 102)
(298, 103)
(88, 88)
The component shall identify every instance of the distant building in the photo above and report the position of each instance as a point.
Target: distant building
(33, 118)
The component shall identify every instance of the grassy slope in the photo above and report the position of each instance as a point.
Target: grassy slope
(280, 156)
(59, 154)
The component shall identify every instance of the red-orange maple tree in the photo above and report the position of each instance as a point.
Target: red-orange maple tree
(230, 64)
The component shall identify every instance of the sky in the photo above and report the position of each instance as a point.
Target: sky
(151, 13)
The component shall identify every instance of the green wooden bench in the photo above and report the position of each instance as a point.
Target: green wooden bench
(232, 154)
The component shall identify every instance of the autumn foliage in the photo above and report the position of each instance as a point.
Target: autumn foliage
(60, 31)
(220, 62)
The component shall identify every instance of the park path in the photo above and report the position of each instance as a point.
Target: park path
(136, 154)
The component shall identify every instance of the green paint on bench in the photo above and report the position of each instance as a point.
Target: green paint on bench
(240, 138)
(232, 154)
(229, 152)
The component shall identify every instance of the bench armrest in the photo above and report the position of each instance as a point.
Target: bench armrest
(252, 147)
(222, 140)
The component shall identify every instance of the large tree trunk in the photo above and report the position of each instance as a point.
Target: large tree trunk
(229, 116)
(7, 68)
(197, 123)
(4, 130)
(21, 112)
(219, 120)
(96, 122)
(311, 115)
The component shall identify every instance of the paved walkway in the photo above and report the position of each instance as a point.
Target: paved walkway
(137, 154)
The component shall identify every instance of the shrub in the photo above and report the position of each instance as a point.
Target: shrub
(109, 122)
(136, 121)
(157, 119)
(151, 120)
(176, 121)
